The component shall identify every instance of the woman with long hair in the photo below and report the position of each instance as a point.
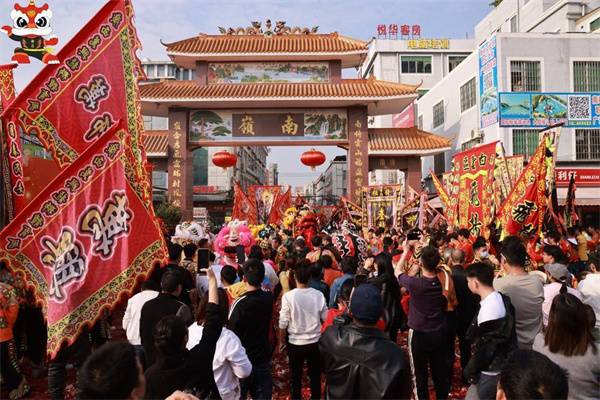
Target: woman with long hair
(230, 363)
(388, 286)
(286, 276)
(569, 343)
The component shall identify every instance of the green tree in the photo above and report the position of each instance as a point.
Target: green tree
(495, 3)
(169, 213)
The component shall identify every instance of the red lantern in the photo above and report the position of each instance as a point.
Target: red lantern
(224, 159)
(313, 158)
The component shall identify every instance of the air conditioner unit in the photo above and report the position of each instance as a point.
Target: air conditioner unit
(476, 133)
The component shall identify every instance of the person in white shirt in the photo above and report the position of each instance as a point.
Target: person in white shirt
(270, 274)
(231, 362)
(590, 286)
(492, 333)
(133, 313)
(558, 275)
(303, 311)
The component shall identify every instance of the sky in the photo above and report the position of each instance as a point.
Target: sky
(172, 20)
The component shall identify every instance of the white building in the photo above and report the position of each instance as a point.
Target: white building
(397, 60)
(534, 46)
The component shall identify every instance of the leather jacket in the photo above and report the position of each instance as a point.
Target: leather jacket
(363, 363)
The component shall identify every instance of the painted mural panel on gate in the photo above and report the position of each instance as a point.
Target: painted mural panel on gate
(293, 124)
(268, 72)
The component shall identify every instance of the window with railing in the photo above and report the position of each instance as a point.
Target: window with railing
(587, 144)
(525, 142)
(420, 124)
(513, 24)
(468, 97)
(586, 76)
(525, 76)
(438, 114)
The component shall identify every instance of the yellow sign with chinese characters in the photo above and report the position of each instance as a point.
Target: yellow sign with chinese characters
(428, 44)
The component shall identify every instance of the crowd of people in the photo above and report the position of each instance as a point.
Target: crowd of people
(525, 320)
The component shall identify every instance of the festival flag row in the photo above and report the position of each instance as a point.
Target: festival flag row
(488, 189)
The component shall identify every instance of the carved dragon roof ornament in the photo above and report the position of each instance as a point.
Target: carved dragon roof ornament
(279, 30)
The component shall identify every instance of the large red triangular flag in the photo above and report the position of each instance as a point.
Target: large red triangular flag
(86, 239)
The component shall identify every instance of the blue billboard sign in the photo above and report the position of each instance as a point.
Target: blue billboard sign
(529, 110)
(488, 83)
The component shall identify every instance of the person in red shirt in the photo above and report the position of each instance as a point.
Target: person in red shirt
(595, 235)
(464, 244)
(343, 301)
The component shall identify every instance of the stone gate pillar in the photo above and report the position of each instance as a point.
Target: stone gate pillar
(358, 152)
(181, 163)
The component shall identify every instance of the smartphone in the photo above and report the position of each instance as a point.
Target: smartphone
(229, 250)
(203, 259)
(360, 280)
(241, 253)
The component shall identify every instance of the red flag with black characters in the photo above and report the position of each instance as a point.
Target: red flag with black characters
(86, 239)
(522, 213)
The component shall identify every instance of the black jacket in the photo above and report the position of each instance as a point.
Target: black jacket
(467, 301)
(187, 370)
(363, 363)
(188, 282)
(250, 319)
(153, 311)
(492, 341)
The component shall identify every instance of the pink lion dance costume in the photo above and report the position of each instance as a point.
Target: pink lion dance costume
(234, 234)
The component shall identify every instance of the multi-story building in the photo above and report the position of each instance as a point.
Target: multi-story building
(414, 61)
(422, 62)
(527, 51)
(273, 175)
(212, 185)
(386, 177)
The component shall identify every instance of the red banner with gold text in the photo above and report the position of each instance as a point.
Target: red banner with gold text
(475, 170)
(85, 240)
(11, 150)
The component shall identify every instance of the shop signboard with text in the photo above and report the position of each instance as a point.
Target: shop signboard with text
(533, 110)
(488, 83)
(584, 177)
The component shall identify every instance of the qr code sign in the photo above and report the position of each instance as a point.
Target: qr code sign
(488, 81)
(580, 107)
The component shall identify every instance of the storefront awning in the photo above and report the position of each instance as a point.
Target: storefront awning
(584, 196)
